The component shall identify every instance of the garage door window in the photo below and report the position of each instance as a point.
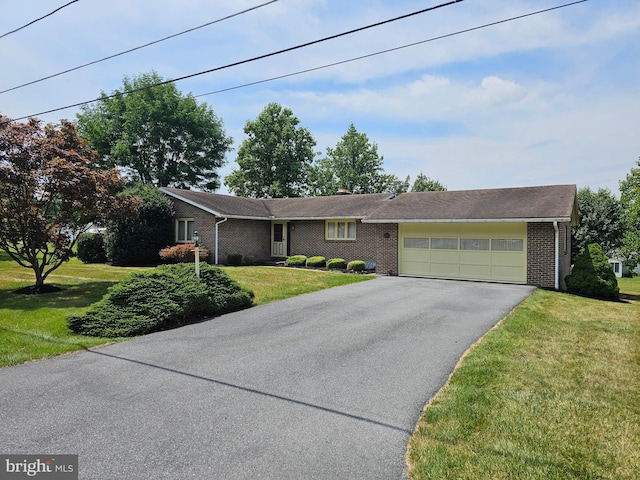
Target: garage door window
(444, 243)
(416, 242)
(474, 244)
(507, 245)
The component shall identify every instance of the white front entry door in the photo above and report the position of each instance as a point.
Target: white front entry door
(279, 239)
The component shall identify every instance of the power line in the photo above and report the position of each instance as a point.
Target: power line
(38, 19)
(304, 45)
(388, 50)
(137, 48)
(249, 60)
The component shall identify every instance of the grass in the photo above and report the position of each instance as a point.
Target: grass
(34, 326)
(551, 393)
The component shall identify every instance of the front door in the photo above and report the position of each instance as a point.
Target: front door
(279, 239)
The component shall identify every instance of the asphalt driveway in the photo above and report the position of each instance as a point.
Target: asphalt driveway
(326, 385)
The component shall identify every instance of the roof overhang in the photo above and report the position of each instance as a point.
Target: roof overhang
(470, 220)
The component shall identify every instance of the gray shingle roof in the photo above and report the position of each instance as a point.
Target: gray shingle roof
(543, 203)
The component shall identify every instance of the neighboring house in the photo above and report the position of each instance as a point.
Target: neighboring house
(513, 235)
(616, 266)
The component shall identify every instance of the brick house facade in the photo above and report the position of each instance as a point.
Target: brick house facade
(246, 226)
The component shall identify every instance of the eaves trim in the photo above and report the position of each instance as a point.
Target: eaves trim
(470, 220)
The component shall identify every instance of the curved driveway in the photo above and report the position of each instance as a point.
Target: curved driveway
(325, 385)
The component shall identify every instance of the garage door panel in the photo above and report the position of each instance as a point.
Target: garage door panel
(485, 251)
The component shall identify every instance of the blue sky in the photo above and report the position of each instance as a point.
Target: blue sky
(549, 99)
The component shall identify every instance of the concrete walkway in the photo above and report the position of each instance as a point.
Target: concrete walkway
(326, 385)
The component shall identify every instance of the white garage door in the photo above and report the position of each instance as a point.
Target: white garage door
(474, 251)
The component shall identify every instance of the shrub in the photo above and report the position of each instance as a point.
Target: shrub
(182, 253)
(356, 266)
(234, 259)
(336, 264)
(592, 276)
(296, 261)
(91, 248)
(166, 297)
(137, 241)
(316, 262)
(249, 260)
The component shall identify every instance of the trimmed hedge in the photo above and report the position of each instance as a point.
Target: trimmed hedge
(336, 264)
(316, 262)
(296, 261)
(592, 275)
(91, 248)
(163, 298)
(182, 253)
(356, 266)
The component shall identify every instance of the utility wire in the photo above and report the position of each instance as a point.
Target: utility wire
(307, 70)
(137, 48)
(241, 62)
(38, 19)
(369, 55)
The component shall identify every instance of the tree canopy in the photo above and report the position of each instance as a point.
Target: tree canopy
(353, 165)
(630, 204)
(156, 134)
(423, 183)
(275, 158)
(49, 194)
(600, 222)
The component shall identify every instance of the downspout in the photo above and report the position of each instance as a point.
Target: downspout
(557, 255)
(217, 242)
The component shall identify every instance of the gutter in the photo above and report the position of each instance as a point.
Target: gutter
(468, 220)
(557, 255)
(218, 223)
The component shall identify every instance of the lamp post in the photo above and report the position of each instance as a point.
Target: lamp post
(196, 239)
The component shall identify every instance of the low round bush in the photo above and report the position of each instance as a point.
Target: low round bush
(356, 266)
(316, 262)
(165, 297)
(183, 253)
(234, 259)
(91, 248)
(336, 264)
(592, 275)
(296, 261)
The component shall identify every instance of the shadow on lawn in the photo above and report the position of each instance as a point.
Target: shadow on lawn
(71, 296)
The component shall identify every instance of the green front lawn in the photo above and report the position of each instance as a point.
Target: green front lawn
(552, 393)
(34, 326)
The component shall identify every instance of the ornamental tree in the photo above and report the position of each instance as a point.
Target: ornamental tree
(49, 194)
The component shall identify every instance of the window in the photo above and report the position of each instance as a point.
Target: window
(474, 244)
(416, 242)
(507, 245)
(184, 230)
(278, 232)
(341, 229)
(444, 243)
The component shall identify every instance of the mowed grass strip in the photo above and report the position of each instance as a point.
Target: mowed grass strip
(34, 326)
(551, 393)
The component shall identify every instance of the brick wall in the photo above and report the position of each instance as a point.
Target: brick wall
(308, 238)
(541, 254)
(387, 248)
(248, 237)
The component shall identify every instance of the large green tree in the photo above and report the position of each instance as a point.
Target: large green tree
(353, 165)
(156, 134)
(49, 194)
(423, 183)
(600, 222)
(275, 158)
(630, 203)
